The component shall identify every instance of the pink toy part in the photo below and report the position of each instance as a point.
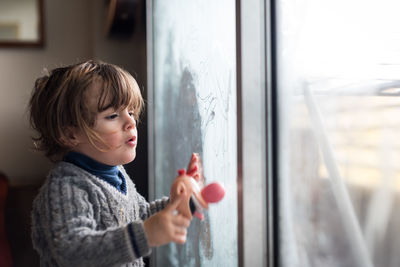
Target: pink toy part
(199, 215)
(181, 172)
(213, 192)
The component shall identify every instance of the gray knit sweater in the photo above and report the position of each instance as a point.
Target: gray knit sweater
(80, 220)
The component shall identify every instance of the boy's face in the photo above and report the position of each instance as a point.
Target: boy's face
(116, 128)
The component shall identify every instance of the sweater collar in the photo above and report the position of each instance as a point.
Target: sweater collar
(110, 174)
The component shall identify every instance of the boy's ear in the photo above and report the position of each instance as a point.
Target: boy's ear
(70, 137)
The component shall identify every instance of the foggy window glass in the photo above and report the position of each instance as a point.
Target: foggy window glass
(338, 67)
(194, 107)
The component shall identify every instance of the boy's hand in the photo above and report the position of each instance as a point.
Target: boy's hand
(166, 226)
(195, 168)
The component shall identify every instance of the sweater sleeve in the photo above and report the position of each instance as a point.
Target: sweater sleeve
(64, 222)
(148, 209)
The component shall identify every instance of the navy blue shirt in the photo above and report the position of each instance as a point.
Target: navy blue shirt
(110, 174)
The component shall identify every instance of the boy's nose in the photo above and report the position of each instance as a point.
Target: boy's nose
(130, 121)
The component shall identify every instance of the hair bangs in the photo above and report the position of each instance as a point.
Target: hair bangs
(119, 91)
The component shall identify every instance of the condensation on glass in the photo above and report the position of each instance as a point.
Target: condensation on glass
(194, 100)
(338, 65)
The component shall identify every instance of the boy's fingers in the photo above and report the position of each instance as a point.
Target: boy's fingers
(181, 221)
(181, 231)
(180, 239)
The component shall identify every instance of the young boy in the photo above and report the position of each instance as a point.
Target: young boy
(88, 212)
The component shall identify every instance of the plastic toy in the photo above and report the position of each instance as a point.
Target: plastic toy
(197, 196)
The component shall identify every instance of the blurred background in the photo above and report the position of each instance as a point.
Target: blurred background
(38, 34)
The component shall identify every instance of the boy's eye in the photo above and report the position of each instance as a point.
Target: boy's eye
(111, 117)
(132, 114)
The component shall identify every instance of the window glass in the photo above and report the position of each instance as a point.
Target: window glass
(339, 117)
(194, 106)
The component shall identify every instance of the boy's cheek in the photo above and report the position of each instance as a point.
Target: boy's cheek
(113, 139)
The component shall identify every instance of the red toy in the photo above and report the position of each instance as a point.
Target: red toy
(191, 184)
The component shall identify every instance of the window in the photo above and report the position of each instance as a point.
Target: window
(193, 109)
(338, 84)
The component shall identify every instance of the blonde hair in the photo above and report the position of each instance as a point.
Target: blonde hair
(59, 102)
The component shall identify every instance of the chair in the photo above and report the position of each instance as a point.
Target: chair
(5, 252)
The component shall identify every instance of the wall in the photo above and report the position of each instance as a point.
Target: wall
(74, 32)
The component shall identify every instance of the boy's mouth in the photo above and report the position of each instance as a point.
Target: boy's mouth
(132, 141)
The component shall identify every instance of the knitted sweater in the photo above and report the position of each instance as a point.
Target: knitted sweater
(79, 219)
